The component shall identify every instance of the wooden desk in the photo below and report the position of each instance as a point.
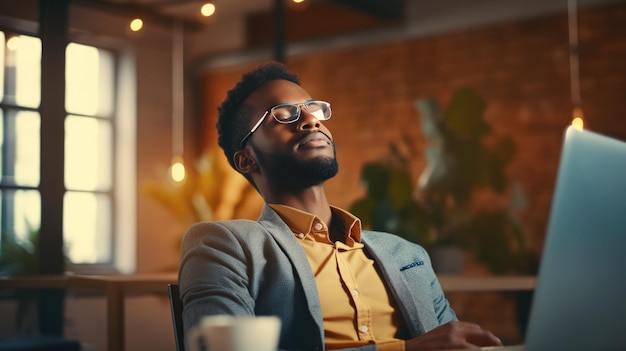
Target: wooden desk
(36, 283)
(116, 287)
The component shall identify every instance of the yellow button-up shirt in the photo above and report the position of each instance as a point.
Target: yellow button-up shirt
(356, 307)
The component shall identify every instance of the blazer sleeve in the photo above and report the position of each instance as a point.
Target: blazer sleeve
(213, 275)
(237, 267)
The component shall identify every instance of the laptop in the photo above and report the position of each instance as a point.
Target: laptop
(580, 297)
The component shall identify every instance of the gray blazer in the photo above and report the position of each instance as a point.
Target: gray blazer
(243, 267)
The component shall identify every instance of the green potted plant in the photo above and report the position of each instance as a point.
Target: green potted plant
(20, 258)
(462, 199)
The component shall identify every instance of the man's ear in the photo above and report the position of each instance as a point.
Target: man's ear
(244, 161)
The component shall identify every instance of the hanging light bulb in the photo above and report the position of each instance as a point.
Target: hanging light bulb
(136, 24)
(13, 43)
(177, 168)
(208, 9)
(577, 118)
(577, 113)
(298, 5)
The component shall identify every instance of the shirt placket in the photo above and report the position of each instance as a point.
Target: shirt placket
(362, 309)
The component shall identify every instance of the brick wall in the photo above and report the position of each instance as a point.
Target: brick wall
(520, 68)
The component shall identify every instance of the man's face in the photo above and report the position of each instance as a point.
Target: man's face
(300, 153)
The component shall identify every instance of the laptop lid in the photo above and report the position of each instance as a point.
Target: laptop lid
(580, 298)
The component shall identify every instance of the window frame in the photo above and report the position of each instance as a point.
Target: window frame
(123, 150)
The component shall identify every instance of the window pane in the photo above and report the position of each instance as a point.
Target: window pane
(89, 80)
(20, 154)
(27, 70)
(88, 154)
(87, 227)
(21, 212)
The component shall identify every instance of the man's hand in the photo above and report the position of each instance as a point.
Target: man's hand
(453, 335)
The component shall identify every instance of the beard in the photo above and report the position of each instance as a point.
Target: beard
(287, 171)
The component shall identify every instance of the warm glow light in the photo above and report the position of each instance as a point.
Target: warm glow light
(177, 170)
(298, 5)
(207, 9)
(577, 118)
(578, 123)
(13, 43)
(136, 24)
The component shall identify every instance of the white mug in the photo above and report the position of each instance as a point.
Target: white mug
(235, 333)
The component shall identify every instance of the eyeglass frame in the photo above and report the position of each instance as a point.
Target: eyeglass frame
(270, 112)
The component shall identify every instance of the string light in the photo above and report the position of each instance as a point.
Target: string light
(177, 169)
(577, 118)
(136, 24)
(13, 43)
(207, 10)
(298, 5)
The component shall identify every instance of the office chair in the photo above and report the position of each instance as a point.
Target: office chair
(176, 306)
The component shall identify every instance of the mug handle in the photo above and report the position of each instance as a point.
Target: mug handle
(194, 340)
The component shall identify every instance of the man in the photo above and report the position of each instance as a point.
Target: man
(333, 285)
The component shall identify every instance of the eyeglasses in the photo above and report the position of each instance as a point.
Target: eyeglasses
(289, 113)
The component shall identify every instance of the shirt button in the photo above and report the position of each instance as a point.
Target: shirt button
(364, 329)
(301, 235)
(355, 292)
(318, 226)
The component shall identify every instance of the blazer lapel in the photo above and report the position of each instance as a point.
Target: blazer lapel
(413, 310)
(292, 248)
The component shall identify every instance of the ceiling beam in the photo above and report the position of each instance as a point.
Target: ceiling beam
(384, 9)
(143, 10)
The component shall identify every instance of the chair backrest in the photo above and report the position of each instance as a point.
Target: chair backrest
(176, 306)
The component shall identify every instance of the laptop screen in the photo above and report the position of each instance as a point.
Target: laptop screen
(580, 297)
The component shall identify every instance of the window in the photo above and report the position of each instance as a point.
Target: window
(87, 207)
(20, 123)
(91, 143)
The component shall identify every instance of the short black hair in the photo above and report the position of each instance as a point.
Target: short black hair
(232, 117)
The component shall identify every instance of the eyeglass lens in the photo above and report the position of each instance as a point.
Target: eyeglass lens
(288, 112)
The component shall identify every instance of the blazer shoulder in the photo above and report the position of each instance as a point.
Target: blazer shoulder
(388, 240)
(234, 227)
(230, 223)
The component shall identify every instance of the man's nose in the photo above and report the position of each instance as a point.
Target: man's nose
(308, 121)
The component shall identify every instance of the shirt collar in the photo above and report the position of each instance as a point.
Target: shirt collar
(302, 222)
